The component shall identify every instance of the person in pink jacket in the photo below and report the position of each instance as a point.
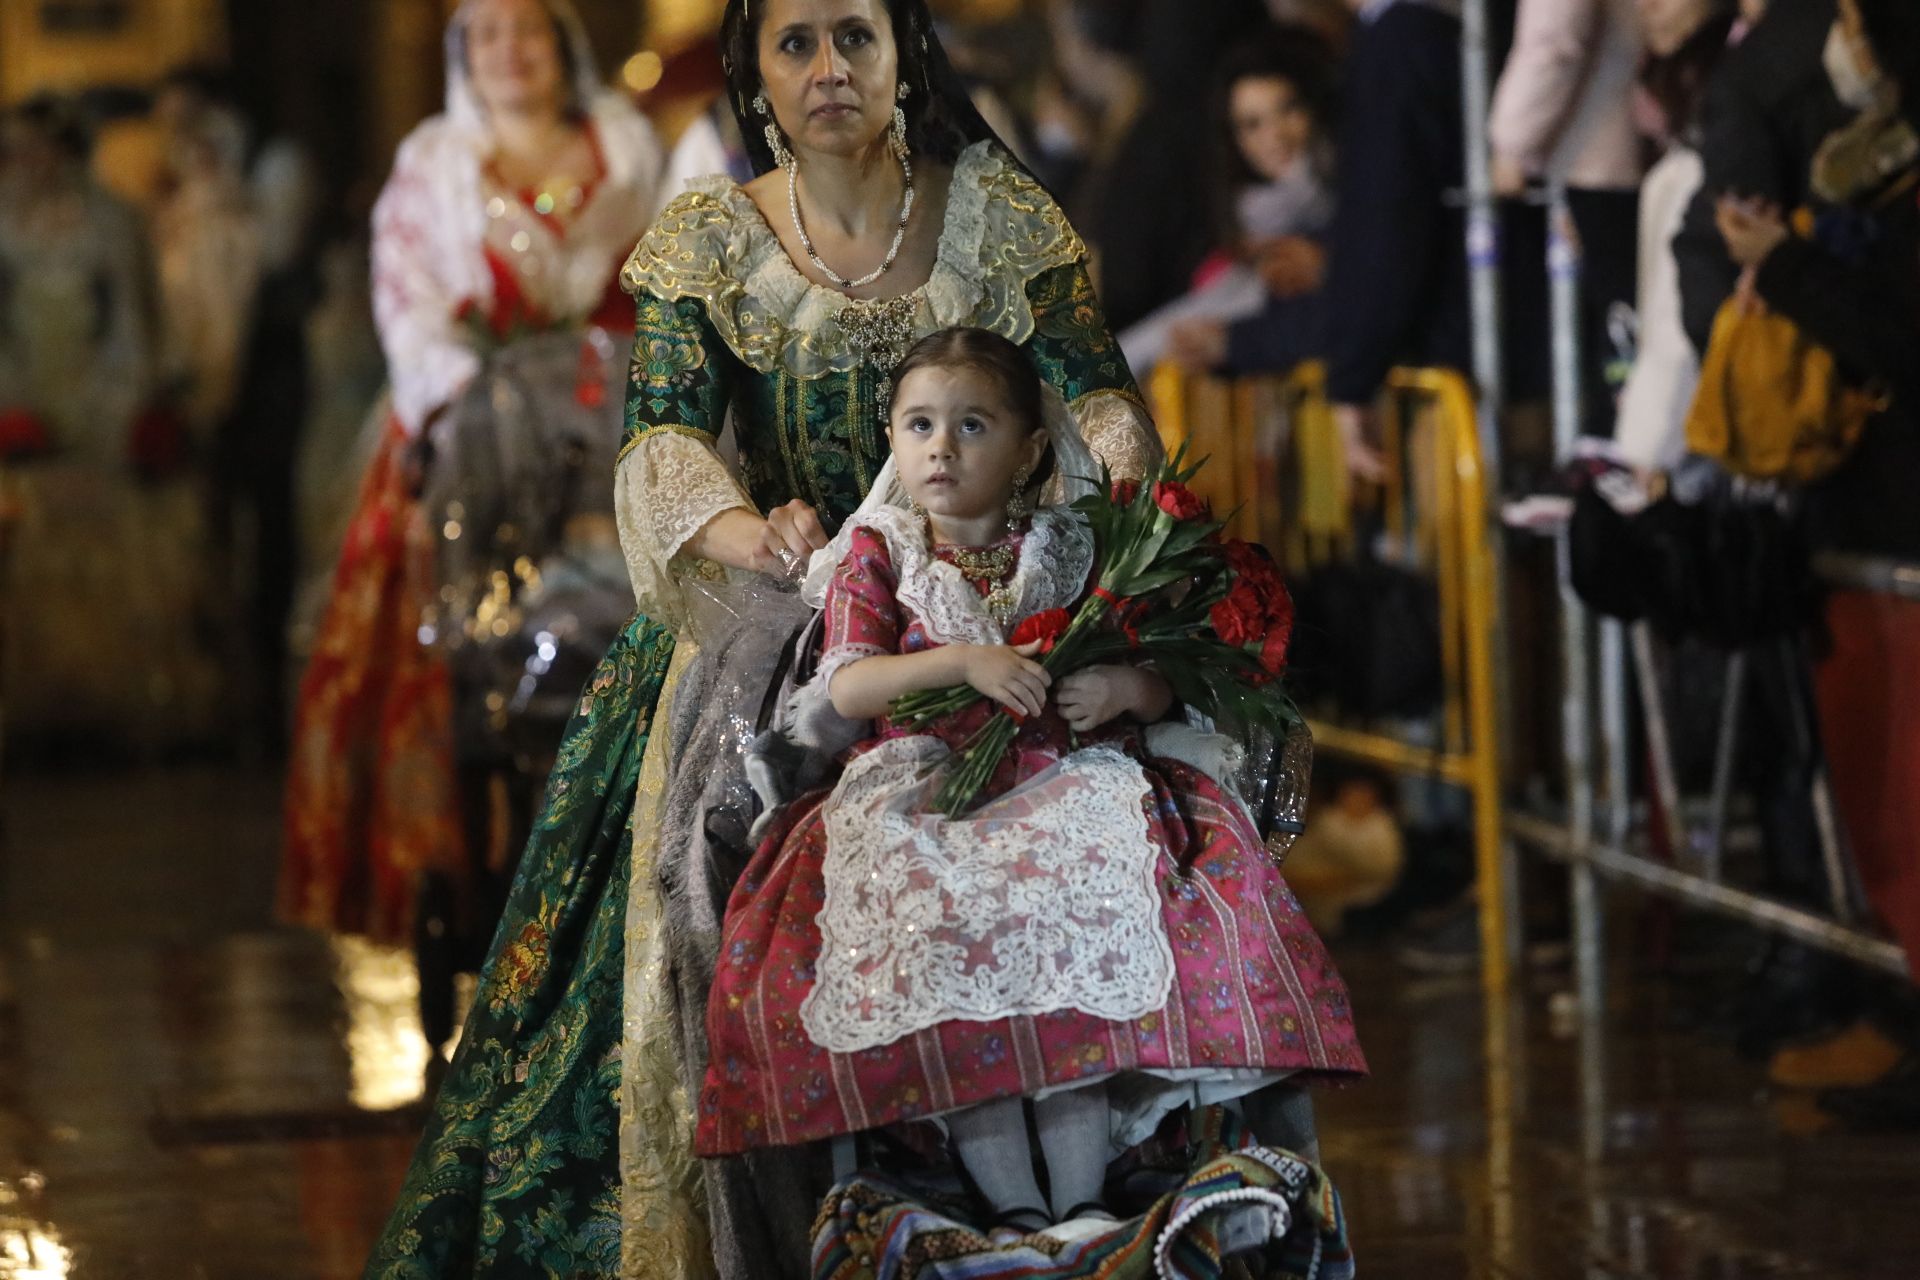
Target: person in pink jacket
(1563, 114)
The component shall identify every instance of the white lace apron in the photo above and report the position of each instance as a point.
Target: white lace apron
(1039, 900)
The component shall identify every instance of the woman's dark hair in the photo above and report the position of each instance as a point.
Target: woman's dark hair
(985, 351)
(1676, 81)
(1296, 55)
(941, 118)
(1893, 29)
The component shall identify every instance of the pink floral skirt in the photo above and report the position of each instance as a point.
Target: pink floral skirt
(1253, 989)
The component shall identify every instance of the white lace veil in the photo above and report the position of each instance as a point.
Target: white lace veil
(463, 102)
(1076, 473)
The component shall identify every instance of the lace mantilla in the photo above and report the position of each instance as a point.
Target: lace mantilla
(1040, 900)
(711, 243)
(1054, 562)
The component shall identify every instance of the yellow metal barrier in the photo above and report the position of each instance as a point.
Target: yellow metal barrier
(1278, 466)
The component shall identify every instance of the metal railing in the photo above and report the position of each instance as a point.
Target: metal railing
(1278, 468)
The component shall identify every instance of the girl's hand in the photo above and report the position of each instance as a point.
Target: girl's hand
(1092, 696)
(1009, 676)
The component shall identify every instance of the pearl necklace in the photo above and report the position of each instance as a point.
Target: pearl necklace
(806, 241)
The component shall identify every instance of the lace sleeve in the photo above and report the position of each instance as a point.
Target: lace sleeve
(1078, 354)
(413, 301)
(670, 481)
(862, 619)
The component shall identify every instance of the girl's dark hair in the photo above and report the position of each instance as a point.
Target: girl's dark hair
(1893, 29)
(1676, 81)
(986, 352)
(941, 118)
(1297, 55)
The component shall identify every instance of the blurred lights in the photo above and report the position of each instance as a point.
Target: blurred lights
(643, 71)
(33, 1253)
(386, 1053)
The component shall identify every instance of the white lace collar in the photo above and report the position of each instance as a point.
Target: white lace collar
(1055, 559)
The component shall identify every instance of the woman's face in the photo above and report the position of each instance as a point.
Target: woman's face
(829, 71)
(513, 55)
(1270, 124)
(1668, 23)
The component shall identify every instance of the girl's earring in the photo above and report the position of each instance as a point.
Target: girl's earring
(1018, 506)
(776, 142)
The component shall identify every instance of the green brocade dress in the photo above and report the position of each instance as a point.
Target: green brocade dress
(561, 1142)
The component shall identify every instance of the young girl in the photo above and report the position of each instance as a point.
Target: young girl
(1104, 933)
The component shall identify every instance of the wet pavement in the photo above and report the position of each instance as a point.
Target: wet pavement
(187, 1091)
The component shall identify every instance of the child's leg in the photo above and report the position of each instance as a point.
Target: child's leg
(992, 1141)
(1073, 1134)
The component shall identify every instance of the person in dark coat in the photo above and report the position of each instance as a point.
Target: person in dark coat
(1767, 109)
(1396, 291)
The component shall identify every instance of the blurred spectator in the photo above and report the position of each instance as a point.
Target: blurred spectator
(1397, 278)
(1853, 285)
(208, 244)
(1085, 103)
(1141, 218)
(1562, 113)
(1253, 307)
(1767, 108)
(106, 595)
(1685, 40)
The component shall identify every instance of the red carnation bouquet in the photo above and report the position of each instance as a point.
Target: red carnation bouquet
(1212, 616)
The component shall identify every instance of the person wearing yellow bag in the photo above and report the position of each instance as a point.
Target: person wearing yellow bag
(1830, 321)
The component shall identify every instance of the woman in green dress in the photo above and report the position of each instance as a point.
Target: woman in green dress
(560, 1144)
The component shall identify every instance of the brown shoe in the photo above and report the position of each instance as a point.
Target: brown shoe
(1850, 1058)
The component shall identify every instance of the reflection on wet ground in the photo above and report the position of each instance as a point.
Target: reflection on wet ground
(186, 1091)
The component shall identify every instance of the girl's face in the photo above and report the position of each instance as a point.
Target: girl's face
(829, 71)
(1271, 126)
(958, 442)
(513, 55)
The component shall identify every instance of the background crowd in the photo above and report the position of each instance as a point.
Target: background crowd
(189, 378)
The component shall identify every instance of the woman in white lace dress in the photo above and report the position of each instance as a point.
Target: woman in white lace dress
(509, 213)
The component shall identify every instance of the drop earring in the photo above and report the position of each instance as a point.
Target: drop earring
(776, 142)
(1018, 507)
(898, 136)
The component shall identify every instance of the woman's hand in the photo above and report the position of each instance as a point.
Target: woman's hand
(788, 538)
(1009, 676)
(1092, 696)
(1364, 461)
(1291, 266)
(778, 543)
(1752, 229)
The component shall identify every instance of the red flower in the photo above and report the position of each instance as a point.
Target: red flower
(1253, 568)
(1047, 627)
(1181, 502)
(1124, 492)
(1273, 649)
(1241, 618)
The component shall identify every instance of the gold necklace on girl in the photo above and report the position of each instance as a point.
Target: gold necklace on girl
(991, 568)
